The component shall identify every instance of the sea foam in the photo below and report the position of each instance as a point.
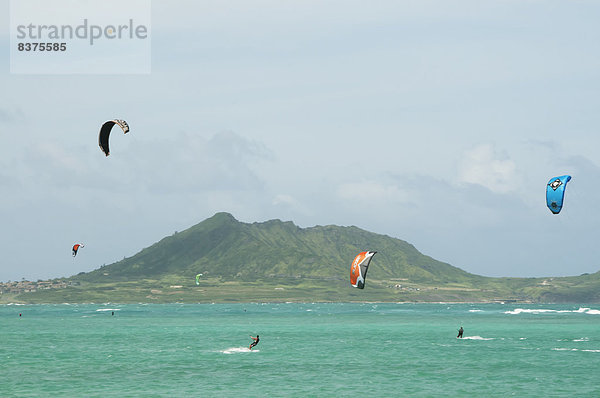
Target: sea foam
(535, 311)
(237, 350)
(477, 338)
(573, 349)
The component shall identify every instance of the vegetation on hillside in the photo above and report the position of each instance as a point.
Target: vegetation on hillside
(278, 261)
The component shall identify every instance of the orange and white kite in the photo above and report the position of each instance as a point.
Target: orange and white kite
(360, 266)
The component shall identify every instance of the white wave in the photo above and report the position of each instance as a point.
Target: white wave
(580, 310)
(237, 350)
(477, 338)
(107, 309)
(527, 311)
(474, 310)
(582, 339)
(573, 349)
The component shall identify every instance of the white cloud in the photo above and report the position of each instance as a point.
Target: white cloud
(283, 199)
(486, 166)
(372, 192)
(288, 207)
(11, 114)
(191, 163)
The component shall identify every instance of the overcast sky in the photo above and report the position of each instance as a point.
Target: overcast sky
(436, 122)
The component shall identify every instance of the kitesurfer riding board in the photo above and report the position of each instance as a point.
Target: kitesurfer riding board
(254, 343)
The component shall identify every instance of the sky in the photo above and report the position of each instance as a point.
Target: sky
(439, 123)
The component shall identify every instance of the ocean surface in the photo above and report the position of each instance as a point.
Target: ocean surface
(305, 350)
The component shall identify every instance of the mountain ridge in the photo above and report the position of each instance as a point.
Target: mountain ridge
(277, 260)
(224, 247)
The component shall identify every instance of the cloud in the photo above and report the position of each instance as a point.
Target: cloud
(190, 163)
(173, 164)
(286, 200)
(486, 166)
(288, 207)
(373, 192)
(5, 116)
(10, 115)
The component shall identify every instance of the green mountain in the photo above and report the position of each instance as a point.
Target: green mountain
(225, 248)
(278, 261)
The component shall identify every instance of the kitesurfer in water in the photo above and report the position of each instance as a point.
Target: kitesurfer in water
(255, 342)
(460, 333)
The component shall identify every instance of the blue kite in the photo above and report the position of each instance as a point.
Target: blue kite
(555, 193)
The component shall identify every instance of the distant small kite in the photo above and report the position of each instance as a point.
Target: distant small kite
(76, 248)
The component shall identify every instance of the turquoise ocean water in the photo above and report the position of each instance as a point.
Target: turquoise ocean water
(377, 350)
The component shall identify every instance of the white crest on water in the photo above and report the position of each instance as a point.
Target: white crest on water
(237, 350)
(535, 311)
(477, 338)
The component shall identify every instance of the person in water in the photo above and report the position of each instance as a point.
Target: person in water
(460, 333)
(255, 342)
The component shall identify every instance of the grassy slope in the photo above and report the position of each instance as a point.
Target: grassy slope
(278, 261)
(223, 247)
